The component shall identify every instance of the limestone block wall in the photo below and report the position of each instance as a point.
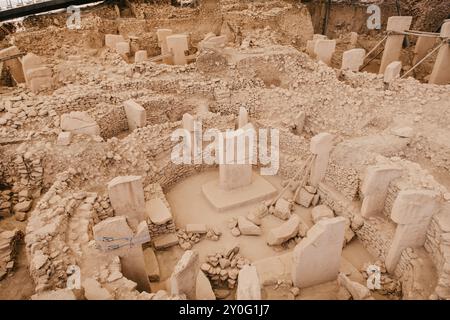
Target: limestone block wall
(112, 120)
(392, 193)
(437, 245)
(164, 108)
(346, 180)
(46, 234)
(376, 235)
(21, 178)
(152, 191)
(81, 101)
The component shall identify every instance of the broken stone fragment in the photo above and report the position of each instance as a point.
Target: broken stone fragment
(321, 212)
(349, 235)
(232, 223)
(64, 139)
(184, 277)
(357, 290)
(248, 228)
(157, 211)
(253, 218)
(283, 233)
(94, 291)
(203, 289)
(235, 232)
(249, 287)
(304, 198)
(165, 241)
(283, 209)
(79, 122)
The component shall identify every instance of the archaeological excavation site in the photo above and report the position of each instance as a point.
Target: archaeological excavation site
(225, 150)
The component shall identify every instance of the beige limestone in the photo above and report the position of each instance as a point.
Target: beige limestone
(123, 47)
(184, 276)
(249, 287)
(243, 117)
(177, 45)
(79, 122)
(14, 65)
(316, 258)
(353, 59)
(115, 238)
(64, 138)
(441, 68)
(392, 71)
(375, 186)
(320, 146)
(112, 39)
(324, 50)
(321, 212)
(126, 194)
(157, 211)
(412, 211)
(393, 45)
(136, 115)
(140, 56)
(284, 232)
(151, 265)
(162, 35)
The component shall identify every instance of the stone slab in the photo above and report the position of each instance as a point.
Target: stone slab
(260, 189)
(157, 211)
(165, 241)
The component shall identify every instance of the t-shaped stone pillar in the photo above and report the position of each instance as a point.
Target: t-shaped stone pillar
(126, 194)
(235, 169)
(320, 146)
(114, 237)
(375, 187)
(162, 35)
(177, 45)
(412, 211)
(393, 46)
(441, 68)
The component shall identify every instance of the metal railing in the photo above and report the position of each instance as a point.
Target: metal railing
(11, 4)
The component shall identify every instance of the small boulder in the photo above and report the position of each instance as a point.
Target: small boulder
(304, 198)
(283, 209)
(283, 233)
(321, 212)
(248, 228)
